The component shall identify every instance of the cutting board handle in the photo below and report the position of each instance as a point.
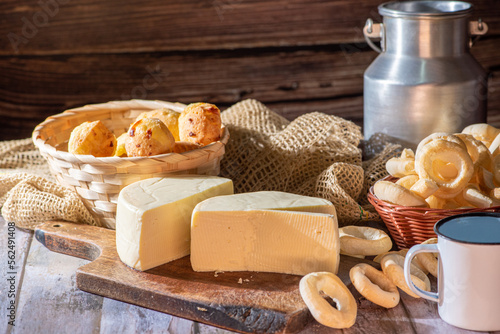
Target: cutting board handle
(83, 241)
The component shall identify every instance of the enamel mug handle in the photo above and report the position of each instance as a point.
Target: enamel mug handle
(428, 248)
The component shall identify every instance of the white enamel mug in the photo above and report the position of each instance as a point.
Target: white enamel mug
(468, 293)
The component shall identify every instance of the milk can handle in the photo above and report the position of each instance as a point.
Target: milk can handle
(374, 30)
(477, 28)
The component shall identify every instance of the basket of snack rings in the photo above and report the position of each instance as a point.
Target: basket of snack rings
(98, 149)
(448, 174)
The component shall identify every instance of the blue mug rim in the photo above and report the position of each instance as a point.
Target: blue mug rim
(468, 214)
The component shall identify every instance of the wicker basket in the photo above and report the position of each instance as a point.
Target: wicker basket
(98, 181)
(409, 226)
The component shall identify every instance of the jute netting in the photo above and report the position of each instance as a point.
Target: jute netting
(315, 155)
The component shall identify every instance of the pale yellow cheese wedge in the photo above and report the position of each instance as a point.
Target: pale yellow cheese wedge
(266, 232)
(153, 218)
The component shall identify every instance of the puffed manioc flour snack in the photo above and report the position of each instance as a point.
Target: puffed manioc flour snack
(380, 287)
(363, 240)
(429, 260)
(447, 171)
(374, 285)
(483, 132)
(445, 151)
(392, 266)
(344, 316)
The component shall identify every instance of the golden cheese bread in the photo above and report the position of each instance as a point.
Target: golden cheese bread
(147, 137)
(200, 123)
(92, 138)
(168, 116)
(120, 145)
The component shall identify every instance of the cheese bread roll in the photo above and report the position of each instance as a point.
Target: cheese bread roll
(167, 116)
(120, 145)
(147, 137)
(200, 123)
(92, 138)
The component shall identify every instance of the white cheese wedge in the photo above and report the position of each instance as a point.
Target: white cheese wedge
(265, 231)
(153, 217)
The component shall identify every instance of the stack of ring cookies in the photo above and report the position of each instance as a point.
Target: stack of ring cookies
(447, 171)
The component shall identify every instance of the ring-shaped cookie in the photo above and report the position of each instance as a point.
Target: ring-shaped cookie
(429, 260)
(494, 148)
(483, 132)
(439, 135)
(374, 285)
(444, 150)
(479, 153)
(400, 167)
(392, 266)
(363, 240)
(408, 181)
(401, 252)
(397, 194)
(344, 316)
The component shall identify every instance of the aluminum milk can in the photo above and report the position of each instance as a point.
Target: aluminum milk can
(425, 80)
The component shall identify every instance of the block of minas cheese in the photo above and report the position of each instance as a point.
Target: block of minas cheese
(265, 232)
(153, 217)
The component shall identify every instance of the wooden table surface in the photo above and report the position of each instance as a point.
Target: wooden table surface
(47, 301)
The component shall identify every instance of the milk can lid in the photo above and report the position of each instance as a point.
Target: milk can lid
(425, 8)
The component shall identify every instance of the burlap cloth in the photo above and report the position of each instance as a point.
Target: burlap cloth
(314, 155)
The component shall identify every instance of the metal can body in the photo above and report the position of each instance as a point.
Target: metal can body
(425, 80)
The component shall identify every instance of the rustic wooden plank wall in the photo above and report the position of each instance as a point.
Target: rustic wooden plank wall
(296, 56)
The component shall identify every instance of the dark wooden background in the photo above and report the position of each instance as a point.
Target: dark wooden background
(296, 56)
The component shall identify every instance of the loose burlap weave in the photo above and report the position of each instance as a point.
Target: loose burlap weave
(28, 192)
(314, 155)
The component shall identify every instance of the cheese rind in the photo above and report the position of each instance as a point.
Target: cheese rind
(268, 200)
(154, 215)
(228, 234)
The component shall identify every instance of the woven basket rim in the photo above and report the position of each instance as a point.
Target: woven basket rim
(46, 148)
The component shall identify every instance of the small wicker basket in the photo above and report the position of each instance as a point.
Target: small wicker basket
(409, 226)
(98, 181)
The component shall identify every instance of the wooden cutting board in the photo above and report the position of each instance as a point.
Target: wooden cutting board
(247, 302)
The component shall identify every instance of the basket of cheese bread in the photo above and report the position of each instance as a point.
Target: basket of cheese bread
(448, 174)
(99, 149)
